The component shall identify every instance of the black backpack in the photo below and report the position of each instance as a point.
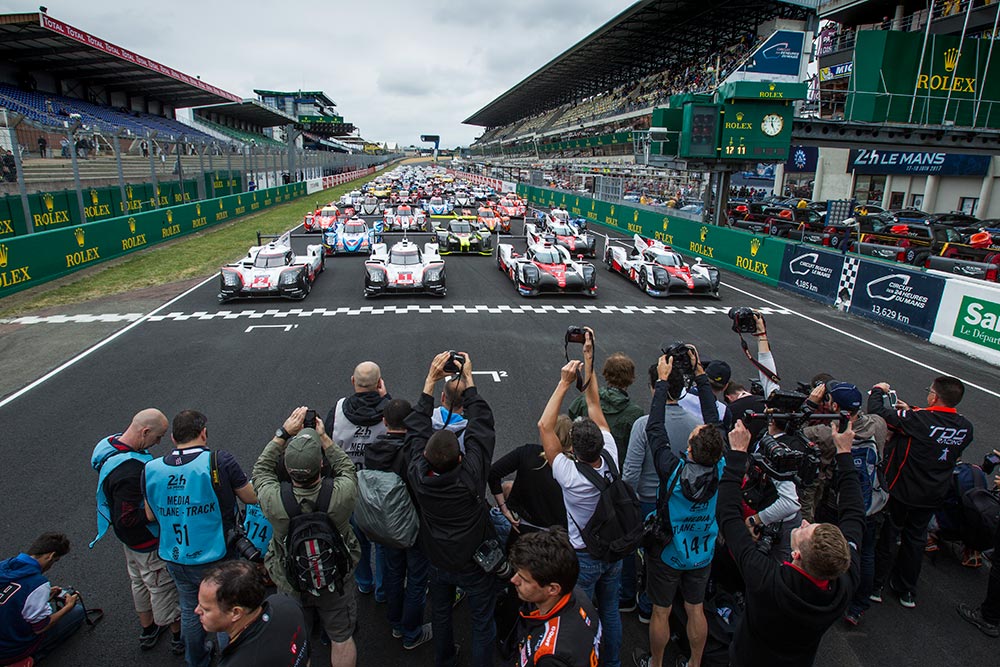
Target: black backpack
(316, 557)
(981, 518)
(615, 530)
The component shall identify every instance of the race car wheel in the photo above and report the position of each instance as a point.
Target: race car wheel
(921, 258)
(772, 229)
(608, 260)
(322, 264)
(643, 283)
(910, 256)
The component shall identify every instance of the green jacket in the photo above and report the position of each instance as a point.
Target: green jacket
(619, 411)
(268, 488)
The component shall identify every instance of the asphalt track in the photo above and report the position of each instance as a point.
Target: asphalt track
(247, 364)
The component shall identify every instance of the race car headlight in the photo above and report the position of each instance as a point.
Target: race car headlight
(660, 278)
(231, 279)
(530, 274)
(589, 275)
(433, 274)
(288, 277)
(376, 275)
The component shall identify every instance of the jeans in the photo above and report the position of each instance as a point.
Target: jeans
(197, 652)
(901, 569)
(406, 607)
(65, 628)
(860, 603)
(602, 584)
(480, 589)
(363, 572)
(500, 524)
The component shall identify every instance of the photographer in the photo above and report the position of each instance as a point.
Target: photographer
(686, 516)
(454, 520)
(736, 396)
(304, 450)
(29, 626)
(557, 626)
(789, 606)
(451, 410)
(773, 503)
(619, 410)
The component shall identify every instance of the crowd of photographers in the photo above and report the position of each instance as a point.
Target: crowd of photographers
(752, 517)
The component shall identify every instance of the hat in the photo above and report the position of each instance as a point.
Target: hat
(846, 395)
(304, 455)
(718, 372)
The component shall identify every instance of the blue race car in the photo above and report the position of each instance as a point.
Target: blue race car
(352, 236)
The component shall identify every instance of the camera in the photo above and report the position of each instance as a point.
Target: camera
(990, 462)
(60, 600)
(310, 419)
(237, 540)
(576, 335)
(767, 536)
(682, 361)
(743, 319)
(491, 558)
(454, 363)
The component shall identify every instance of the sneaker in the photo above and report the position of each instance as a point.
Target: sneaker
(644, 617)
(907, 599)
(876, 595)
(626, 605)
(971, 558)
(641, 657)
(853, 617)
(932, 544)
(380, 599)
(150, 636)
(975, 616)
(459, 596)
(426, 634)
(177, 646)
(397, 634)
(365, 590)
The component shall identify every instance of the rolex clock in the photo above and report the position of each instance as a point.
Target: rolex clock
(772, 124)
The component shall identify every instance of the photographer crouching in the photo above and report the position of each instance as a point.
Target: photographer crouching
(789, 606)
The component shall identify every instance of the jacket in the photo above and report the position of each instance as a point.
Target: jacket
(268, 488)
(787, 612)
(568, 636)
(361, 409)
(454, 519)
(922, 450)
(29, 597)
(387, 453)
(619, 411)
(535, 495)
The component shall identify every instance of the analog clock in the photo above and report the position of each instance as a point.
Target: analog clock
(772, 124)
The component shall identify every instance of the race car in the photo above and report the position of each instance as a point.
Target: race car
(404, 218)
(351, 198)
(351, 236)
(512, 208)
(488, 220)
(438, 206)
(659, 270)
(404, 268)
(370, 205)
(272, 270)
(322, 219)
(546, 268)
(464, 199)
(577, 242)
(458, 236)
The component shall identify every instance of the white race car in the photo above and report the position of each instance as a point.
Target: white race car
(370, 205)
(351, 236)
(404, 268)
(659, 270)
(546, 267)
(272, 270)
(464, 200)
(405, 219)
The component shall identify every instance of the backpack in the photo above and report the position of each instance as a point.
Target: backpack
(384, 510)
(616, 528)
(981, 518)
(950, 515)
(316, 558)
(864, 451)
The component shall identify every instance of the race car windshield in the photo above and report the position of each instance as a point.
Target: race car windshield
(548, 257)
(354, 229)
(328, 213)
(664, 258)
(486, 214)
(461, 228)
(269, 261)
(371, 200)
(404, 257)
(562, 230)
(436, 201)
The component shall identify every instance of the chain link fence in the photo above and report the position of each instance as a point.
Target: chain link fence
(53, 176)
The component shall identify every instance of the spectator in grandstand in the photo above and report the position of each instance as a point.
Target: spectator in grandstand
(263, 631)
(620, 412)
(29, 626)
(557, 624)
(304, 451)
(923, 447)
(453, 529)
(594, 446)
(43, 144)
(119, 460)
(8, 167)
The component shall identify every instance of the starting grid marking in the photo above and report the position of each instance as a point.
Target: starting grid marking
(436, 309)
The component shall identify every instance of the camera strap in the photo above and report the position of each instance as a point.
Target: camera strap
(768, 373)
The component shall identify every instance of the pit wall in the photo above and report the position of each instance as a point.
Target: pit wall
(953, 312)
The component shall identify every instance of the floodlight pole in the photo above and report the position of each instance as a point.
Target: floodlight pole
(152, 169)
(923, 52)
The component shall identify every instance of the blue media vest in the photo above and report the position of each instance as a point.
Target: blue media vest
(258, 528)
(695, 528)
(105, 459)
(187, 508)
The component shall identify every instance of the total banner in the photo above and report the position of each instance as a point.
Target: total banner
(892, 294)
(809, 270)
(969, 319)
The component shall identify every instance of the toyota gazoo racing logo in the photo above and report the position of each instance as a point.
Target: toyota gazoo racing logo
(895, 287)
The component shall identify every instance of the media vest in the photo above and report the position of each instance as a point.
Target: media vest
(352, 438)
(258, 528)
(105, 459)
(19, 577)
(187, 508)
(695, 527)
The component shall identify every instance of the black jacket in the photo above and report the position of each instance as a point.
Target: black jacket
(922, 450)
(535, 496)
(787, 613)
(361, 409)
(454, 519)
(565, 637)
(387, 453)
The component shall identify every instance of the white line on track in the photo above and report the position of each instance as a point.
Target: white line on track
(861, 340)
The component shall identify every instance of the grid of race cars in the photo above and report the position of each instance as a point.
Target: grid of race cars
(405, 221)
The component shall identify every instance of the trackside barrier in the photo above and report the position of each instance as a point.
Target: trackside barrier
(969, 318)
(26, 261)
(495, 183)
(327, 182)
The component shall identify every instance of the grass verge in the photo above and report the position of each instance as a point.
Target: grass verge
(198, 255)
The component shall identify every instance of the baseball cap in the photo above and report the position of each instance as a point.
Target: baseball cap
(304, 455)
(846, 395)
(718, 372)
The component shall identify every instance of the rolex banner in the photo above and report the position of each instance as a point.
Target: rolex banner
(952, 82)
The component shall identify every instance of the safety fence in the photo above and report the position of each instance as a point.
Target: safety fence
(950, 311)
(478, 179)
(326, 182)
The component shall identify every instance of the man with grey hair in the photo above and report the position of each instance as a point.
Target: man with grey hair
(353, 423)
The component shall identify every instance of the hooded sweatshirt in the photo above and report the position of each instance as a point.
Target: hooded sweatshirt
(619, 411)
(363, 411)
(25, 608)
(456, 424)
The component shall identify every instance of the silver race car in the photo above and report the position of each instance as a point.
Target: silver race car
(272, 270)
(404, 268)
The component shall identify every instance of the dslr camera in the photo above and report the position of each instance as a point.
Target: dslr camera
(455, 362)
(576, 335)
(682, 361)
(237, 540)
(743, 319)
(491, 558)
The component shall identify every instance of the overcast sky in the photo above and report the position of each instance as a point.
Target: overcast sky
(396, 68)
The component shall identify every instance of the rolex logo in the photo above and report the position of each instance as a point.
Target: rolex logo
(157, 190)
(239, 200)
(220, 205)
(739, 116)
(49, 202)
(93, 197)
(3, 255)
(704, 233)
(577, 202)
(771, 87)
(255, 195)
(170, 216)
(592, 202)
(666, 222)
(754, 246)
(635, 216)
(131, 225)
(197, 210)
(128, 191)
(79, 234)
(951, 59)
(612, 210)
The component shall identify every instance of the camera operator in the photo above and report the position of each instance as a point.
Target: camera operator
(736, 395)
(789, 606)
(29, 627)
(191, 493)
(558, 625)
(454, 520)
(773, 503)
(262, 631)
(718, 374)
(920, 456)
(304, 450)
(594, 446)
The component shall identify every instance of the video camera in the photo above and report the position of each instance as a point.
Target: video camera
(491, 558)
